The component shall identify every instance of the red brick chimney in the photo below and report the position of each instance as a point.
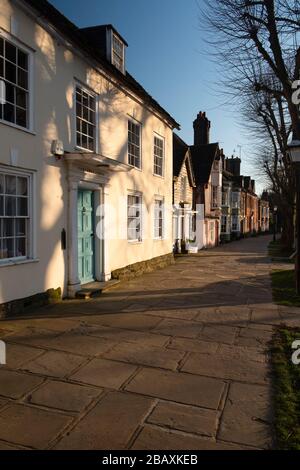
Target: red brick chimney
(201, 129)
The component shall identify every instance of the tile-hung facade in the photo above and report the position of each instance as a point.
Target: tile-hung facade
(184, 184)
(77, 134)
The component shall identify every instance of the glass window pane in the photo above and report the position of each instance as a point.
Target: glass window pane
(10, 206)
(22, 189)
(9, 113)
(22, 78)
(21, 98)
(20, 247)
(10, 52)
(1, 205)
(10, 184)
(8, 227)
(1, 184)
(22, 60)
(10, 93)
(21, 117)
(8, 247)
(22, 208)
(20, 227)
(1, 47)
(10, 72)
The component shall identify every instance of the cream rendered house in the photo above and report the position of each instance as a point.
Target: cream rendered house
(86, 156)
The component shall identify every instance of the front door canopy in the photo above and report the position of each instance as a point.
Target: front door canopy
(96, 162)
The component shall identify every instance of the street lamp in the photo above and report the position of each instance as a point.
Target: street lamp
(274, 223)
(294, 153)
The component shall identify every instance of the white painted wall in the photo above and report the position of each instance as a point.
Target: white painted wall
(55, 72)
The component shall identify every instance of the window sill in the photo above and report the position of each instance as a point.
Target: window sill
(15, 126)
(159, 176)
(135, 242)
(6, 263)
(135, 167)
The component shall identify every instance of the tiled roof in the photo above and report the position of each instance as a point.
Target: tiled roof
(203, 157)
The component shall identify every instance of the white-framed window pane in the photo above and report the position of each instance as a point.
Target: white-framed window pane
(158, 218)
(118, 53)
(134, 218)
(85, 119)
(134, 144)
(158, 156)
(14, 215)
(14, 73)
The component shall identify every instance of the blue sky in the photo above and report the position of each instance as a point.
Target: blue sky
(167, 55)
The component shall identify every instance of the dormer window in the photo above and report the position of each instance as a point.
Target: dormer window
(118, 53)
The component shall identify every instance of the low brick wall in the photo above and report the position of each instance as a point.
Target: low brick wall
(16, 307)
(136, 269)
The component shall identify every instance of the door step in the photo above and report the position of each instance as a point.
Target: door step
(94, 289)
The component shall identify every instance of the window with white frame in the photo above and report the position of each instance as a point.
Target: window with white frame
(14, 73)
(118, 52)
(235, 199)
(15, 218)
(225, 197)
(134, 144)
(134, 218)
(234, 225)
(158, 218)
(158, 156)
(85, 119)
(215, 196)
(224, 224)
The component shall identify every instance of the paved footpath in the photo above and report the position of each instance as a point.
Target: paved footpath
(175, 359)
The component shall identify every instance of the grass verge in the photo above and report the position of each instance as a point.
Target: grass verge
(284, 288)
(286, 390)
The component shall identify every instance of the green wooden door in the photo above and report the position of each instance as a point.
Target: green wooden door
(85, 236)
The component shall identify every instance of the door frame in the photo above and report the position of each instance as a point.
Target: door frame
(80, 179)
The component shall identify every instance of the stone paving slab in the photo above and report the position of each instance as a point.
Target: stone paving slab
(182, 328)
(146, 355)
(54, 364)
(129, 321)
(15, 385)
(6, 446)
(178, 387)
(84, 345)
(192, 345)
(218, 333)
(254, 337)
(110, 425)
(176, 313)
(231, 363)
(31, 427)
(17, 355)
(235, 316)
(104, 373)
(185, 418)
(247, 416)
(152, 438)
(120, 335)
(64, 396)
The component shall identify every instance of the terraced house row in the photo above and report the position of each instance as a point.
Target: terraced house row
(88, 174)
